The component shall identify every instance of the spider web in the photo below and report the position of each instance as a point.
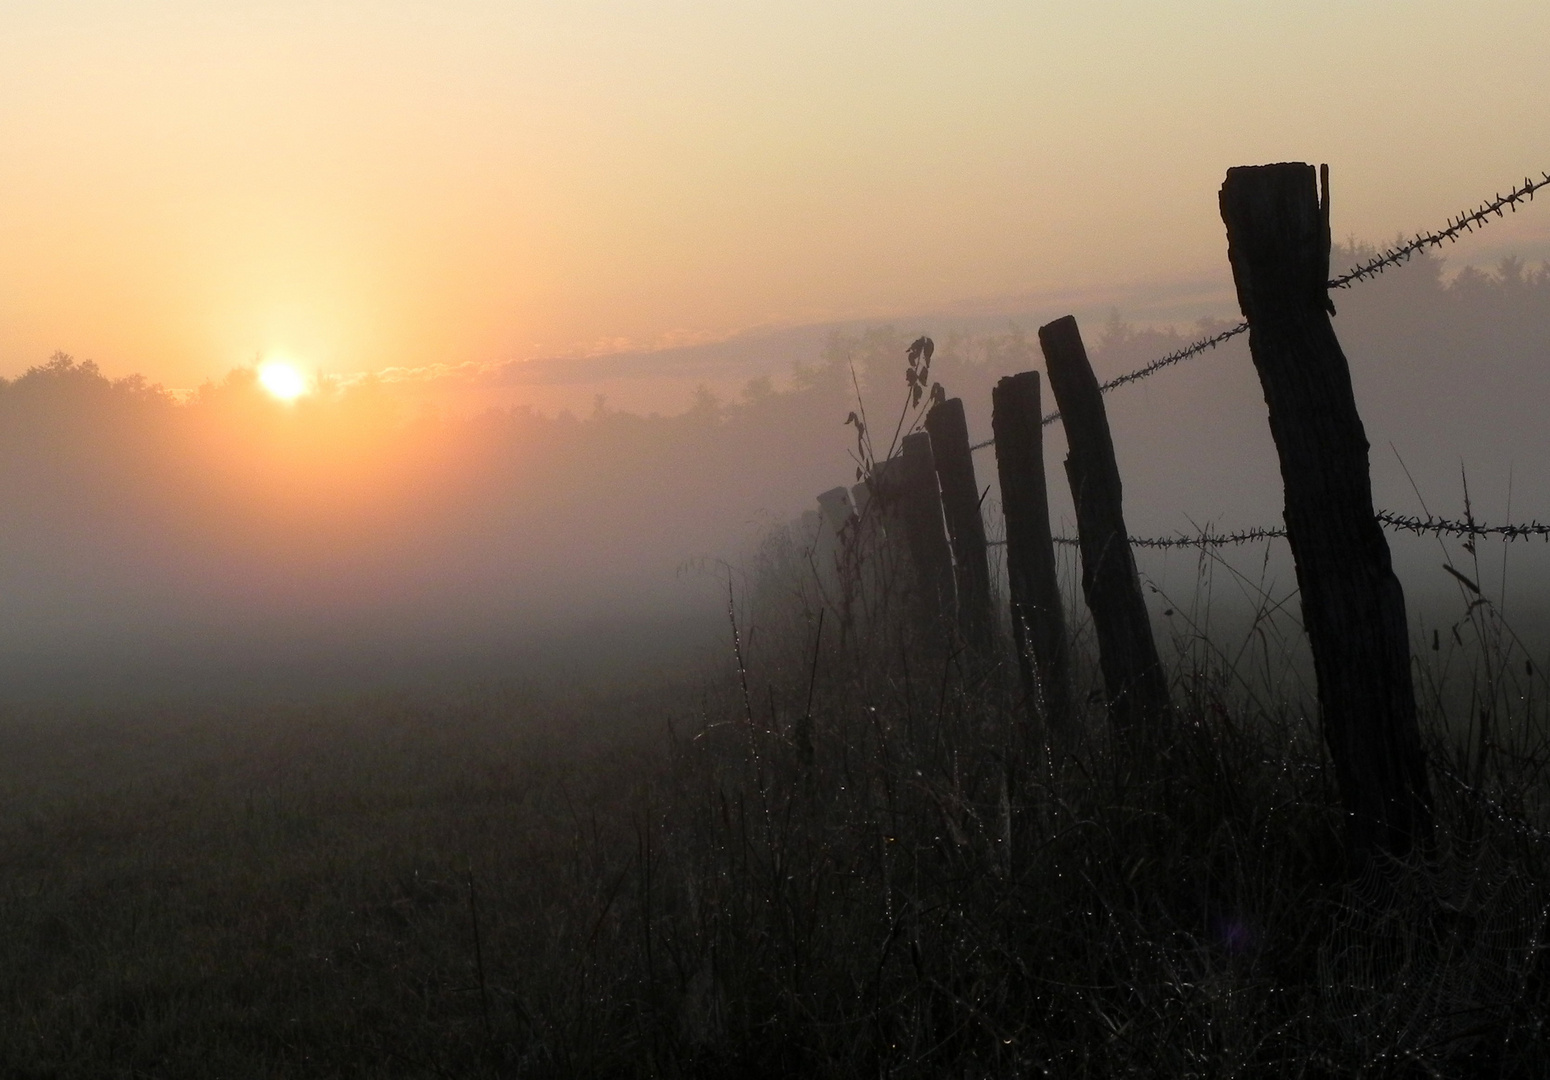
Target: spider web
(1427, 960)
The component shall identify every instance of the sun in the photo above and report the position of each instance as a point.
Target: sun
(282, 380)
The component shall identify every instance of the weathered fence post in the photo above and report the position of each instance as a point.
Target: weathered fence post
(921, 508)
(1132, 673)
(899, 546)
(1352, 604)
(1038, 621)
(949, 433)
(876, 553)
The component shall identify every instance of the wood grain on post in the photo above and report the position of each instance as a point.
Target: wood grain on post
(1038, 620)
(949, 433)
(1132, 673)
(1352, 604)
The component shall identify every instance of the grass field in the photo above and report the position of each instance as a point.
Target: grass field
(682, 879)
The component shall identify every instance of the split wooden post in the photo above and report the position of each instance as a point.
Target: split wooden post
(949, 432)
(1038, 620)
(1132, 673)
(1352, 604)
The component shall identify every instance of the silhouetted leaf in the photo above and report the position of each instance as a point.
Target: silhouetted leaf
(1470, 585)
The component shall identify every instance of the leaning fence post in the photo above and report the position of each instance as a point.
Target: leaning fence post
(1132, 673)
(1038, 621)
(1353, 606)
(949, 433)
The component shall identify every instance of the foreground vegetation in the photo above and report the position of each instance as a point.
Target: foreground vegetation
(872, 865)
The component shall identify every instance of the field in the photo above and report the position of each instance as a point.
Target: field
(803, 540)
(704, 875)
(834, 843)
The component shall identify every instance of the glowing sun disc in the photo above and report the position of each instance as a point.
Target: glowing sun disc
(283, 381)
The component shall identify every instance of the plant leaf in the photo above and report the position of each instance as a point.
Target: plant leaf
(1470, 585)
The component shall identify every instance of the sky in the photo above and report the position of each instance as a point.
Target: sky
(185, 187)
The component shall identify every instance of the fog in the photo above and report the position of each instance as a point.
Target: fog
(154, 543)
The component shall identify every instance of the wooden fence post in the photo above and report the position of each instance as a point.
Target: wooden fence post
(907, 489)
(949, 433)
(876, 553)
(1132, 673)
(1352, 604)
(1038, 621)
(835, 515)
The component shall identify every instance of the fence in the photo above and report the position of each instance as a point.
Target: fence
(928, 503)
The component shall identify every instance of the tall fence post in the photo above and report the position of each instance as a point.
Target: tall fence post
(949, 432)
(1132, 673)
(1353, 608)
(1038, 621)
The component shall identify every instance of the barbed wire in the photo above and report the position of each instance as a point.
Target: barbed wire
(1147, 369)
(1430, 524)
(1205, 539)
(1397, 522)
(1465, 222)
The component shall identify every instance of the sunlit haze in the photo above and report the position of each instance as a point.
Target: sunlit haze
(576, 538)
(282, 380)
(396, 329)
(398, 184)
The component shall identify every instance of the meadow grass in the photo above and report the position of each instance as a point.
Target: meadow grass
(875, 865)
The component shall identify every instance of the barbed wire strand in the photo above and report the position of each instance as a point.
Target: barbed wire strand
(1464, 222)
(1471, 528)
(1397, 522)
(1193, 349)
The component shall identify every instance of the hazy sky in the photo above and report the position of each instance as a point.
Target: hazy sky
(186, 185)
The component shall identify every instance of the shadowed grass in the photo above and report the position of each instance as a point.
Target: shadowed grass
(667, 883)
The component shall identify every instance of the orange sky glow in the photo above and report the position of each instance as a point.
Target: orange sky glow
(186, 187)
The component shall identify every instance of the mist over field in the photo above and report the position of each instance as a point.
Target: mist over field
(421, 653)
(362, 537)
